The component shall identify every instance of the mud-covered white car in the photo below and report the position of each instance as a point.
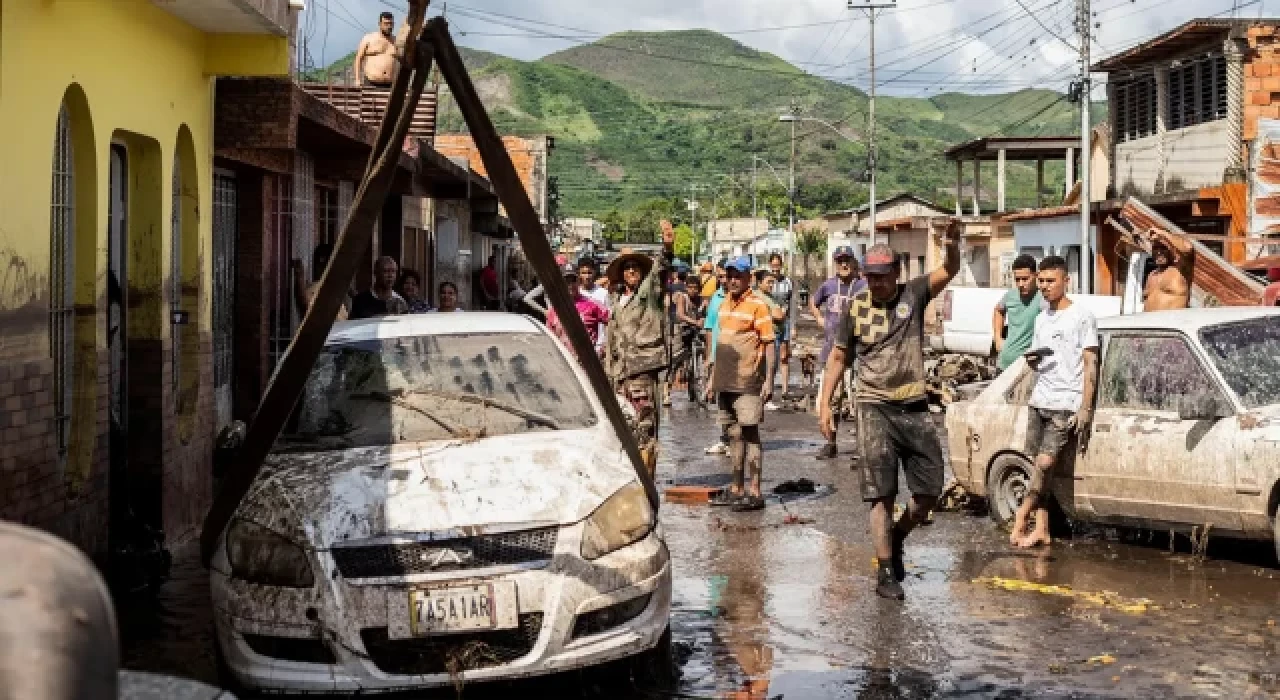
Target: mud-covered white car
(449, 503)
(1186, 429)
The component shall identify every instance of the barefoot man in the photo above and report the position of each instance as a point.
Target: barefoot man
(1064, 355)
(376, 58)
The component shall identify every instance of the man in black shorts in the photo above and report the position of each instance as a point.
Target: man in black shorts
(884, 329)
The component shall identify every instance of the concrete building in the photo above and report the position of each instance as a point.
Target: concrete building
(581, 236)
(106, 358)
(1002, 150)
(727, 238)
(852, 227)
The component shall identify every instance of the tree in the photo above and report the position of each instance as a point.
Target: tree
(684, 241)
(810, 241)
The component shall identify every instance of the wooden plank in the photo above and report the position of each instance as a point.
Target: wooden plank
(537, 249)
(295, 366)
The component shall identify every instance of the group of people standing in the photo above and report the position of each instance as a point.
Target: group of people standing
(393, 291)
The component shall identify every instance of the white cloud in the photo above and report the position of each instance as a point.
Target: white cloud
(923, 47)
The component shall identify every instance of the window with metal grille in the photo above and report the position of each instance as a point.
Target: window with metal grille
(327, 221)
(224, 277)
(1197, 91)
(175, 278)
(61, 277)
(281, 241)
(1135, 106)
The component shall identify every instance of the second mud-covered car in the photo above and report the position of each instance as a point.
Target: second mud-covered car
(1186, 432)
(448, 504)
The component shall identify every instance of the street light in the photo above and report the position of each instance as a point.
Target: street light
(793, 118)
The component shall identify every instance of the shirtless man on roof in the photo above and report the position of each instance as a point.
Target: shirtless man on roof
(377, 56)
(1169, 286)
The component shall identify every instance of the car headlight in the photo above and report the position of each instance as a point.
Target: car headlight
(622, 520)
(259, 555)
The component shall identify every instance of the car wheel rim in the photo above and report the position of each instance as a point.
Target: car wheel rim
(1013, 489)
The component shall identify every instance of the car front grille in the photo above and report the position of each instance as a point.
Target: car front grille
(452, 653)
(460, 554)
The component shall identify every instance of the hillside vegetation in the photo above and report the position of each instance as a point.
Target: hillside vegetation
(638, 117)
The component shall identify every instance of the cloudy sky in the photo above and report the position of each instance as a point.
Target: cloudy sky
(923, 46)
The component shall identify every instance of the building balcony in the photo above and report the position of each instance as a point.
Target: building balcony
(368, 104)
(235, 16)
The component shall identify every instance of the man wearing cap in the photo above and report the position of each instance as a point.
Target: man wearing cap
(884, 329)
(592, 314)
(637, 332)
(828, 307)
(743, 365)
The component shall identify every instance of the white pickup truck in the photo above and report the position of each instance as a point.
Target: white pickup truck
(964, 313)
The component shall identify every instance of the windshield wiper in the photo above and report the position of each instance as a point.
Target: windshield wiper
(499, 404)
(304, 443)
(395, 398)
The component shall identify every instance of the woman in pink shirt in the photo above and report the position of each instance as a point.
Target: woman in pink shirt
(594, 316)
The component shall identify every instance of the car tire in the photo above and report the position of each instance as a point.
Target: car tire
(655, 669)
(1008, 481)
(1275, 531)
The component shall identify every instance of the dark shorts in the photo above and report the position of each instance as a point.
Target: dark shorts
(746, 410)
(1047, 432)
(890, 433)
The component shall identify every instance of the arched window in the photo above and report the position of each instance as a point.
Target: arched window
(61, 279)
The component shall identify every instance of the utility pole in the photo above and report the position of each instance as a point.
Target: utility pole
(754, 215)
(792, 311)
(1086, 252)
(870, 8)
(693, 227)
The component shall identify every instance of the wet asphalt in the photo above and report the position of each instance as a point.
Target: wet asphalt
(780, 603)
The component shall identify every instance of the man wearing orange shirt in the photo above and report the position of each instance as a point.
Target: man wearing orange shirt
(743, 361)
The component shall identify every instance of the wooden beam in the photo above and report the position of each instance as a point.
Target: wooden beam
(295, 366)
(533, 240)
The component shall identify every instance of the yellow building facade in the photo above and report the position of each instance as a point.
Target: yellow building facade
(106, 254)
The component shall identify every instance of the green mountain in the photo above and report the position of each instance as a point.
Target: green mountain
(639, 117)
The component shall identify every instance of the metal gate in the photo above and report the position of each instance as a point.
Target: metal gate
(224, 292)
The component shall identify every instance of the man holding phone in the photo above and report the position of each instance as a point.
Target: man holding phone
(1064, 355)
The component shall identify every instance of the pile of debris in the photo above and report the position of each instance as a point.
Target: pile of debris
(944, 375)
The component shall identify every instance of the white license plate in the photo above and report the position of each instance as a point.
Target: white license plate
(459, 608)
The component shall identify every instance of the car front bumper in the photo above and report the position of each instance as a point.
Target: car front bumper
(348, 621)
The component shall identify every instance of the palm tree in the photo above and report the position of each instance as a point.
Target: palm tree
(810, 241)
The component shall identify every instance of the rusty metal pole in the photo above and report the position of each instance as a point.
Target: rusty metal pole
(357, 232)
(524, 217)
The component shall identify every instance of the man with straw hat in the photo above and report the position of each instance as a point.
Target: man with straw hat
(636, 338)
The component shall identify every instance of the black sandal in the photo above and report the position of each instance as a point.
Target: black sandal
(724, 498)
(748, 504)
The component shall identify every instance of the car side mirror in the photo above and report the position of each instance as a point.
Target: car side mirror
(1200, 407)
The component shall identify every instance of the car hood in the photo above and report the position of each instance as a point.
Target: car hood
(452, 488)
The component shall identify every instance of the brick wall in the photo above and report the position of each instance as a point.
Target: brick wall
(1261, 78)
(35, 487)
(524, 155)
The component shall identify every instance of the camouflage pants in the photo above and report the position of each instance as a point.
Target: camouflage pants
(643, 393)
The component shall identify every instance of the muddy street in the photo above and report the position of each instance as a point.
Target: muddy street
(780, 603)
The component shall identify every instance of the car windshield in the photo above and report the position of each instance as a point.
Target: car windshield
(1248, 355)
(437, 387)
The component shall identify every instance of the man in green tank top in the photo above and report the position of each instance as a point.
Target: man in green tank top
(1017, 309)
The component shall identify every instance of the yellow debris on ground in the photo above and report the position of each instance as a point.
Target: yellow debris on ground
(1103, 659)
(1105, 599)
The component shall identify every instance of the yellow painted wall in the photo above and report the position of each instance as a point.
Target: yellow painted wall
(138, 75)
